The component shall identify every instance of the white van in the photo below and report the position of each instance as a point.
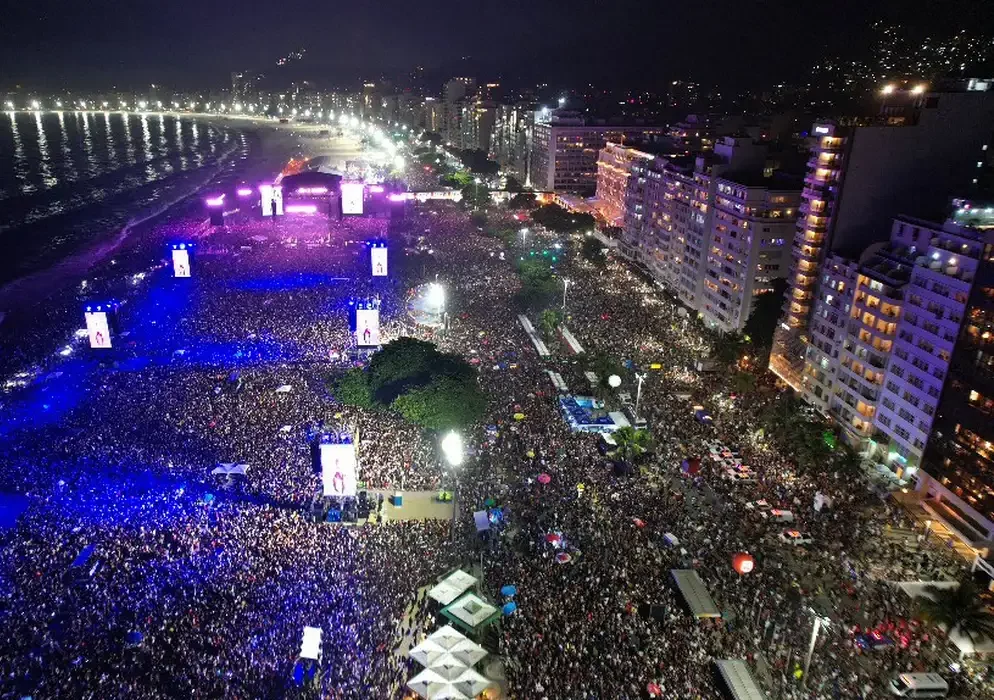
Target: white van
(919, 685)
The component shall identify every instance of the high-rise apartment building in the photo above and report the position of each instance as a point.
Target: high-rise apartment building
(713, 229)
(957, 481)
(565, 148)
(510, 144)
(614, 168)
(910, 159)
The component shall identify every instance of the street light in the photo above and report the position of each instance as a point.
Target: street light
(819, 622)
(524, 232)
(565, 287)
(453, 449)
(638, 393)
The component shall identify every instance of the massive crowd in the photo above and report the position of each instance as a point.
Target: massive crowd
(219, 581)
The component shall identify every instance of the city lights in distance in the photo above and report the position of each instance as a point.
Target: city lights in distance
(918, 89)
(887, 89)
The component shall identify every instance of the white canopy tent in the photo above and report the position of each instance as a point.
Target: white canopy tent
(472, 683)
(470, 653)
(431, 685)
(447, 636)
(427, 652)
(448, 666)
(451, 587)
(471, 610)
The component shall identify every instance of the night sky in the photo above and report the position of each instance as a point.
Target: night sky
(52, 44)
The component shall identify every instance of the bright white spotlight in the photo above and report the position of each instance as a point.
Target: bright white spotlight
(436, 295)
(452, 448)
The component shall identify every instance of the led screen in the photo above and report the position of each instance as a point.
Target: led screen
(97, 329)
(367, 326)
(181, 263)
(352, 197)
(379, 262)
(338, 469)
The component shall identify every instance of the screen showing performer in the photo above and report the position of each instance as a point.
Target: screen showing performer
(379, 261)
(367, 327)
(97, 329)
(338, 469)
(181, 262)
(352, 198)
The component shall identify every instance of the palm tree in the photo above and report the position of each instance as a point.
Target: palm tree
(958, 609)
(631, 443)
(549, 321)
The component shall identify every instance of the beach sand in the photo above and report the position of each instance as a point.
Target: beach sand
(40, 310)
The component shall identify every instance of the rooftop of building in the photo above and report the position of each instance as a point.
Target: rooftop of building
(777, 180)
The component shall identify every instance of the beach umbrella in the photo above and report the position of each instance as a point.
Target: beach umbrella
(638, 522)
(508, 590)
(472, 683)
(134, 638)
(654, 690)
(510, 607)
(427, 683)
(469, 652)
(544, 478)
(490, 503)
(553, 538)
(563, 558)
(427, 652)
(519, 416)
(530, 454)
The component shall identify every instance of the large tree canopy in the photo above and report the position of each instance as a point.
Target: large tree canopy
(427, 387)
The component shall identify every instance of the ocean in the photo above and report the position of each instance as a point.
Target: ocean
(68, 178)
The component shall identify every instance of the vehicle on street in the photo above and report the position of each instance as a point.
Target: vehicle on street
(795, 538)
(919, 685)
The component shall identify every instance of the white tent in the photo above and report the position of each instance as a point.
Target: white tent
(427, 684)
(230, 468)
(472, 683)
(450, 692)
(451, 587)
(427, 652)
(284, 389)
(448, 666)
(472, 610)
(468, 652)
(447, 636)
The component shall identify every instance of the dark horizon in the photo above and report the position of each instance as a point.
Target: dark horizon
(189, 46)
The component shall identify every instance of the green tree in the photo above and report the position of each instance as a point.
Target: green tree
(727, 350)
(457, 179)
(522, 200)
(632, 443)
(765, 315)
(478, 219)
(475, 196)
(592, 251)
(352, 389)
(400, 365)
(959, 609)
(511, 184)
(538, 286)
(432, 137)
(549, 322)
(445, 402)
(604, 365)
(557, 219)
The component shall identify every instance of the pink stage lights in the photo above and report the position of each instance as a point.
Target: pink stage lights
(301, 208)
